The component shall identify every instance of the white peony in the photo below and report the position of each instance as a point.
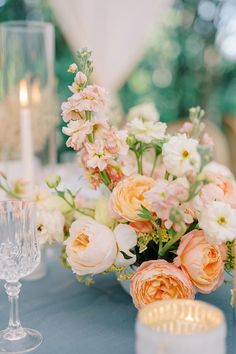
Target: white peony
(144, 111)
(50, 226)
(126, 239)
(218, 221)
(146, 131)
(180, 155)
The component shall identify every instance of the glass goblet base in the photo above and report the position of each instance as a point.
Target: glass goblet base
(24, 342)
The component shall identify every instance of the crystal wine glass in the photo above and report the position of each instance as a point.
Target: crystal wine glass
(19, 256)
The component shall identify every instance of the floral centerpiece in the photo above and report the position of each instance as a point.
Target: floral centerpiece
(166, 214)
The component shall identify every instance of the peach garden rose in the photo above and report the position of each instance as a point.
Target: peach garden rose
(128, 196)
(159, 280)
(203, 262)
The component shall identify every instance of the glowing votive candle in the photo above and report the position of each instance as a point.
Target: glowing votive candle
(180, 327)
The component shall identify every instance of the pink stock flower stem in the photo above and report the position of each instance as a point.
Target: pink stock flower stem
(105, 178)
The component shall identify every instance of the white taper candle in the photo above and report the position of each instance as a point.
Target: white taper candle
(27, 152)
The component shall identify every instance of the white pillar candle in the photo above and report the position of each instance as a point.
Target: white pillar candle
(180, 327)
(27, 152)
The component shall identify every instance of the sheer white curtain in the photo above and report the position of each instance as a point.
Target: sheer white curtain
(117, 31)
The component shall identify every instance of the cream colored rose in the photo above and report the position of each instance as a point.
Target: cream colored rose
(128, 196)
(91, 247)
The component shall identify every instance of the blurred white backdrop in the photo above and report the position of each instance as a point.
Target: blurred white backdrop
(116, 31)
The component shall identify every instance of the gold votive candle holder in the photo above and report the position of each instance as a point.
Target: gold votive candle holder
(180, 327)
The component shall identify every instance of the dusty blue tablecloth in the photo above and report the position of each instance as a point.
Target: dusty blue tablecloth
(75, 319)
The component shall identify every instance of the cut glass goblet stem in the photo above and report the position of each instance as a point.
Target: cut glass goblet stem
(19, 256)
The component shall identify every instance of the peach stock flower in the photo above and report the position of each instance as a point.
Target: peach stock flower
(100, 126)
(227, 186)
(97, 156)
(91, 98)
(69, 111)
(203, 262)
(116, 142)
(77, 131)
(159, 280)
(72, 68)
(128, 196)
(219, 188)
(166, 195)
(208, 141)
(115, 174)
(218, 169)
(80, 80)
(186, 128)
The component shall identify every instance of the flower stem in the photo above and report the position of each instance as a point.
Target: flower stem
(91, 137)
(9, 192)
(88, 115)
(170, 243)
(84, 211)
(140, 165)
(105, 178)
(154, 165)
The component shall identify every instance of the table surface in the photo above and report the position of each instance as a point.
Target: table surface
(75, 319)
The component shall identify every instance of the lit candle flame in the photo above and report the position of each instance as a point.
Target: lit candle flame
(24, 99)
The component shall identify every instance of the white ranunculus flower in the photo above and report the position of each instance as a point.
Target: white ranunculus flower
(91, 247)
(126, 239)
(146, 131)
(144, 111)
(180, 155)
(218, 221)
(50, 226)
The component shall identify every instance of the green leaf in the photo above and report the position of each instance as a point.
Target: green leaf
(60, 194)
(144, 213)
(125, 255)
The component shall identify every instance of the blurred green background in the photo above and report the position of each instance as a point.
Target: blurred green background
(190, 62)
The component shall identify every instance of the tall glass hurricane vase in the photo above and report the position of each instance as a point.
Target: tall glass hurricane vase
(27, 96)
(19, 256)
